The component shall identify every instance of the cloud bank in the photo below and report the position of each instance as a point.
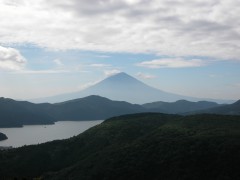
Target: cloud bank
(177, 28)
(172, 63)
(145, 76)
(111, 72)
(11, 59)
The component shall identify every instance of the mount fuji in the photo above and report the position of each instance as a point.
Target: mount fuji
(123, 87)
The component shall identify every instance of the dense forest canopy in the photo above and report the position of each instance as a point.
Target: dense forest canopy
(139, 146)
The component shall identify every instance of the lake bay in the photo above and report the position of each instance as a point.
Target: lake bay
(36, 134)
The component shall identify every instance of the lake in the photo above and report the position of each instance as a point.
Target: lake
(35, 134)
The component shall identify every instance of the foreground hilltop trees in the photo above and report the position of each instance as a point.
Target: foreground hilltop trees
(140, 146)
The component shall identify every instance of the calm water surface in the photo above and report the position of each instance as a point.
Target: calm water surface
(35, 134)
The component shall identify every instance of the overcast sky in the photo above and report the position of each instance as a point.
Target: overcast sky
(189, 47)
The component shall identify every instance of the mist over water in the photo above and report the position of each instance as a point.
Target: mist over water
(35, 134)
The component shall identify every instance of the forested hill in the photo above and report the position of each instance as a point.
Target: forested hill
(18, 113)
(140, 146)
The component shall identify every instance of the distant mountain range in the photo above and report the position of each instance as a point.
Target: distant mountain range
(18, 113)
(91, 108)
(179, 107)
(229, 109)
(123, 87)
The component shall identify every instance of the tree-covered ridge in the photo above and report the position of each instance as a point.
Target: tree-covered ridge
(2, 136)
(140, 146)
(18, 113)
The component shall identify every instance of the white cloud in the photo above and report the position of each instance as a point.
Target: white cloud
(58, 62)
(145, 76)
(87, 85)
(100, 65)
(172, 63)
(11, 59)
(103, 56)
(111, 72)
(51, 71)
(48, 71)
(175, 28)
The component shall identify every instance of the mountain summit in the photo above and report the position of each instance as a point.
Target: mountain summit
(122, 87)
(121, 77)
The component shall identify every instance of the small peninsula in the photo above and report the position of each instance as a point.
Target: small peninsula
(2, 136)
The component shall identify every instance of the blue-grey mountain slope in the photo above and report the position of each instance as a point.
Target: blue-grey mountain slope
(91, 108)
(229, 109)
(18, 113)
(179, 107)
(123, 87)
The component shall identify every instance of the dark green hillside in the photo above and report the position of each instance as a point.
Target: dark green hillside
(18, 113)
(141, 146)
(2, 136)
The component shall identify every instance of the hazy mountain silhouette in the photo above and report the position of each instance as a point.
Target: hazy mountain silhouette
(91, 108)
(18, 113)
(230, 109)
(122, 87)
(178, 107)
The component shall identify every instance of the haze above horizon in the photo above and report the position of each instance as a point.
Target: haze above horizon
(183, 47)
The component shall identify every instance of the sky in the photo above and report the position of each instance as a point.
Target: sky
(188, 47)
